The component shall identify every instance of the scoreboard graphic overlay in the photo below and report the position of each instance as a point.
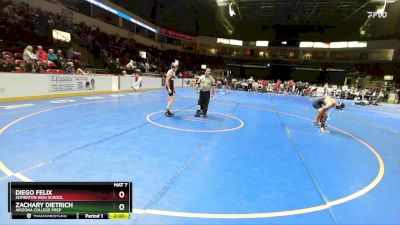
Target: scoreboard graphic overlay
(70, 200)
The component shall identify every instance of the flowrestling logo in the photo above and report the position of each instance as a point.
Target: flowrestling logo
(380, 13)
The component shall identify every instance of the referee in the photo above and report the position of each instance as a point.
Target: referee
(206, 85)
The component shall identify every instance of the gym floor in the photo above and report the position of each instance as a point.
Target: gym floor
(256, 158)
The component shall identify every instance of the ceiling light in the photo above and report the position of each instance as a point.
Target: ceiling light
(306, 44)
(321, 45)
(342, 44)
(222, 2)
(357, 44)
(262, 43)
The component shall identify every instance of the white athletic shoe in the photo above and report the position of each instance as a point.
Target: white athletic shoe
(323, 129)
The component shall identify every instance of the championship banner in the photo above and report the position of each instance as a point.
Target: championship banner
(177, 34)
(58, 83)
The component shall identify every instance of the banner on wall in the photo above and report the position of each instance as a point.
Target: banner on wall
(178, 34)
(71, 83)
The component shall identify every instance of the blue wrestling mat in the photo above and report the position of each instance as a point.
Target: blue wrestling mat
(256, 158)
